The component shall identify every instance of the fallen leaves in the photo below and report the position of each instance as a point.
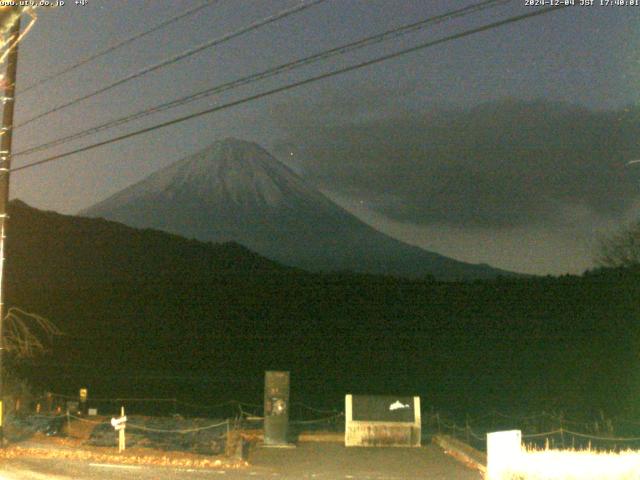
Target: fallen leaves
(130, 457)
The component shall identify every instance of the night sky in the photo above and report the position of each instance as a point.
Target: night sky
(585, 60)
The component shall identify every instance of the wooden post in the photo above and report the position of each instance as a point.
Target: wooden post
(121, 438)
(230, 446)
(82, 396)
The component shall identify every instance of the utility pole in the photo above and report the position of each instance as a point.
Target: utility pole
(6, 133)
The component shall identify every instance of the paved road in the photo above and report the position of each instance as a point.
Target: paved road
(322, 461)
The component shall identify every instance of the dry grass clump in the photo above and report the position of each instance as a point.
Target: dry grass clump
(535, 464)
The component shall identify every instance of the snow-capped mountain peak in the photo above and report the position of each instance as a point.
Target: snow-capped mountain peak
(235, 190)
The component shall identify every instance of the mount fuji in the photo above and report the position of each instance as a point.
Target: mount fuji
(236, 191)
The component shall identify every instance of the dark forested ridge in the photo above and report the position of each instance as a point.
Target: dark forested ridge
(206, 320)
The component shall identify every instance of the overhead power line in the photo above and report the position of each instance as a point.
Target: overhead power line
(116, 46)
(271, 72)
(253, 26)
(293, 85)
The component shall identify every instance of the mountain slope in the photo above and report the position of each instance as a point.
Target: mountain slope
(236, 191)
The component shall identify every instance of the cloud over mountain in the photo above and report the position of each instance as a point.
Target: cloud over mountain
(497, 165)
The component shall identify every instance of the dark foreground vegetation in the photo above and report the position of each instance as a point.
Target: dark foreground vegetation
(147, 313)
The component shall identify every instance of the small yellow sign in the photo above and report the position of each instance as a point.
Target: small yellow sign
(83, 394)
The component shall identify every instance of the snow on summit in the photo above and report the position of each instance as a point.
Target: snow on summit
(231, 170)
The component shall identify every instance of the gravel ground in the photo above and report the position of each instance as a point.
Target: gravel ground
(324, 461)
(334, 461)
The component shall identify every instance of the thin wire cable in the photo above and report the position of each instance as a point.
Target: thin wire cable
(452, 426)
(271, 72)
(116, 400)
(49, 417)
(225, 38)
(290, 86)
(582, 435)
(319, 420)
(594, 437)
(85, 420)
(544, 434)
(116, 46)
(480, 438)
(217, 405)
(313, 409)
(151, 429)
(183, 431)
(528, 417)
